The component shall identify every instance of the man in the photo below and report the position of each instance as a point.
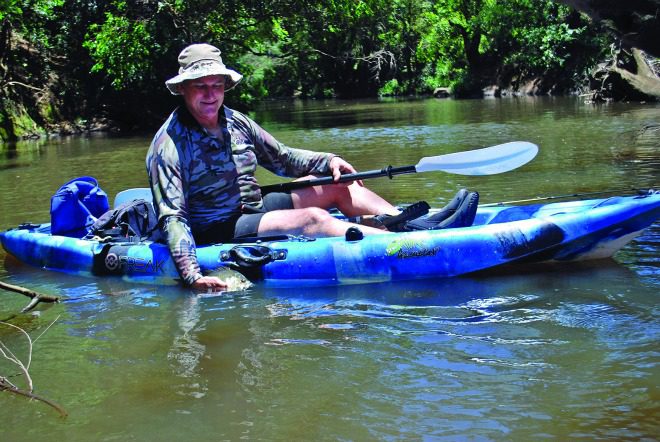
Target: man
(201, 167)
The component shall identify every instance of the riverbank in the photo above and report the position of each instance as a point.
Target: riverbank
(16, 124)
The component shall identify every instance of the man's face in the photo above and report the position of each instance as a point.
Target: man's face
(203, 97)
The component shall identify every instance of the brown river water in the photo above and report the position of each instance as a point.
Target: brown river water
(558, 353)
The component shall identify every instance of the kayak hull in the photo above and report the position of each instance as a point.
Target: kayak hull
(500, 236)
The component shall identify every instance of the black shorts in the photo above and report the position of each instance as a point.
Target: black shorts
(246, 224)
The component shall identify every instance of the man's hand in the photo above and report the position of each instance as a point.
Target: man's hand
(206, 283)
(339, 166)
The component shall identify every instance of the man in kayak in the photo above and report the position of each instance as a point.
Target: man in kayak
(201, 166)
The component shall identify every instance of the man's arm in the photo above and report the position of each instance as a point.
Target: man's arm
(281, 159)
(168, 188)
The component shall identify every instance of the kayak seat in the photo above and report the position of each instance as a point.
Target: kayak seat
(459, 212)
(137, 193)
(463, 216)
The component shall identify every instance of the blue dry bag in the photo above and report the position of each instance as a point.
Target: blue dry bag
(76, 206)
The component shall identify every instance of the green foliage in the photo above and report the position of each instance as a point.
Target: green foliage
(123, 51)
(9, 8)
(30, 18)
(347, 48)
(390, 88)
(14, 9)
(472, 43)
(121, 48)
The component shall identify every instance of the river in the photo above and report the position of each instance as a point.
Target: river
(560, 353)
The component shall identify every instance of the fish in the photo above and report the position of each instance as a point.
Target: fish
(236, 281)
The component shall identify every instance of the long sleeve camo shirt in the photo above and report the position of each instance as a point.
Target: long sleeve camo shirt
(198, 180)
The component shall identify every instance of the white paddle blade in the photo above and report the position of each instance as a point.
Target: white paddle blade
(487, 161)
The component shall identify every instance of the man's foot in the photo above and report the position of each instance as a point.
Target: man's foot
(460, 212)
(396, 223)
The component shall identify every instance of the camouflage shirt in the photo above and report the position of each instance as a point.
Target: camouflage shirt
(198, 180)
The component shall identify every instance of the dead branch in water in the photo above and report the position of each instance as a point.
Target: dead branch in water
(35, 296)
(6, 386)
(24, 367)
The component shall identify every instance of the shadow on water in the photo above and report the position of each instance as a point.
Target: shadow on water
(477, 298)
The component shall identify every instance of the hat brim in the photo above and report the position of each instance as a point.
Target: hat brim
(233, 77)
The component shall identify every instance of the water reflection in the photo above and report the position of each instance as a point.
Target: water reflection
(186, 350)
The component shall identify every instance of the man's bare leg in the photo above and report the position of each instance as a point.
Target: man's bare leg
(312, 221)
(351, 200)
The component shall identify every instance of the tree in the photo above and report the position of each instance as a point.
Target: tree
(484, 42)
(92, 60)
(26, 57)
(635, 24)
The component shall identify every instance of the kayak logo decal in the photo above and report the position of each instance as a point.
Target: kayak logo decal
(128, 264)
(111, 262)
(114, 260)
(409, 248)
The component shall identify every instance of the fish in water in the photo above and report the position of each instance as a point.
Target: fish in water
(236, 281)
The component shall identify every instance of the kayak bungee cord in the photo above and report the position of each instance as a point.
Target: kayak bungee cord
(639, 191)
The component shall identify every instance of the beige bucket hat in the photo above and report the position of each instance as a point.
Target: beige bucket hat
(201, 60)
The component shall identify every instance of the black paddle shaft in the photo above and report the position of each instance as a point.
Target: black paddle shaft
(388, 171)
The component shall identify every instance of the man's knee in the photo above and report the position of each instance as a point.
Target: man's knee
(313, 215)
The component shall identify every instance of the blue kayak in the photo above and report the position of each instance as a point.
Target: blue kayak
(502, 235)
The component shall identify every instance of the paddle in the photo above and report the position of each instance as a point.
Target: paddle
(487, 161)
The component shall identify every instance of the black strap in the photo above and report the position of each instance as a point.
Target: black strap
(411, 212)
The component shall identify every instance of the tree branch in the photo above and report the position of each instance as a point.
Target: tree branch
(36, 296)
(18, 83)
(6, 385)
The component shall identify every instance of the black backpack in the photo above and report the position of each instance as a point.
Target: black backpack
(133, 220)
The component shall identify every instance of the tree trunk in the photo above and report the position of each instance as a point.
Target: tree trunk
(635, 22)
(5, 42)
(645, 80)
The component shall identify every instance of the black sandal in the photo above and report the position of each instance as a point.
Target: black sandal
(396, 223)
